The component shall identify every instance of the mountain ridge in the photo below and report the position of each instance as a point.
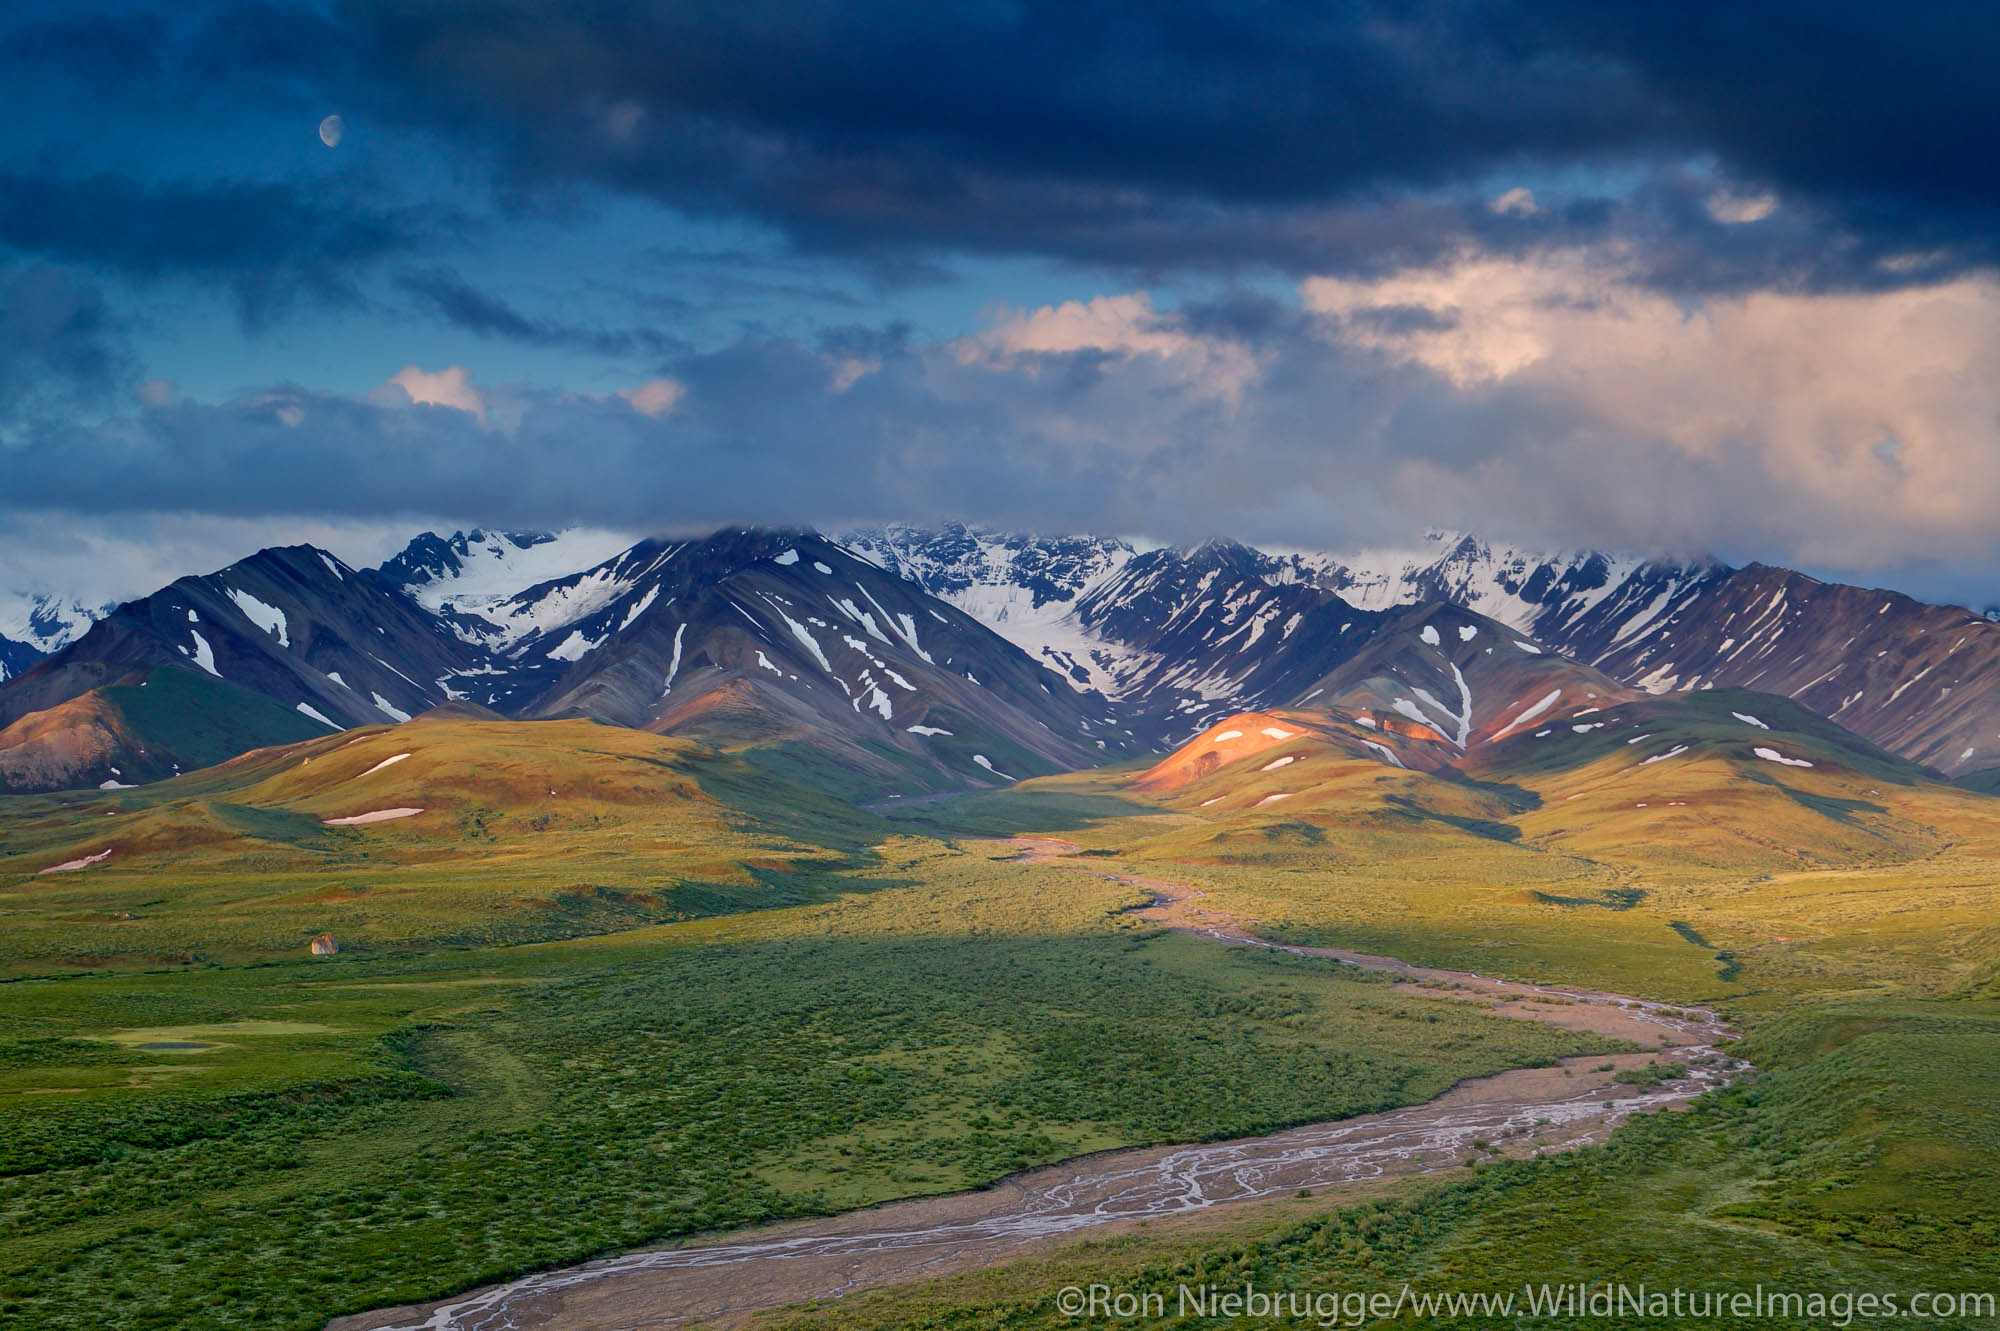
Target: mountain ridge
(900, 657)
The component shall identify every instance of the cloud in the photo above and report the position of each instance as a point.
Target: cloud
(1741, 209)
(448, 295)
(274, 243)
(1122, 326)
(103, 560)
(656, 397)
(449, 387)
(1559, 398)
(1841, 428)
(1120, 132)
(63, 353)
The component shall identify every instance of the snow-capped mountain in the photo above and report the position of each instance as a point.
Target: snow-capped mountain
(1176, 638)
(1923, 681)
(1534, 591)
(788, 638)
(332, 646)
(899, 658)
(34, 624)
(472, 571)
(783, 641)
(1160, 631)
(1022, 587)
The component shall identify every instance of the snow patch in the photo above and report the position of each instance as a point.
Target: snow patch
(204, 655)
(390, 761)
(1388, 755)
(804, 635)
(1227, 734)
(674, 666)
(84, 863)
(1531, 712)
(1749, 720)
(314, 712)
(1276, 763)
(788, 558)
(1772, 755)
(1674, 752)
(1430, 634)
(927, 730)
(373, 816)
(1467, 632)
(1273, 799)
(390, 709)
(575, 647)
(987, 763)
(652, 594)
(266, 617)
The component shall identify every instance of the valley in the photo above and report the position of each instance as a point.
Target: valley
(1358, 946)
(1088, 666)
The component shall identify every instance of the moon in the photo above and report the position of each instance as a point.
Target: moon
(329, 131)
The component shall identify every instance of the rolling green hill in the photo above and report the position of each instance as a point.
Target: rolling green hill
(523, 830)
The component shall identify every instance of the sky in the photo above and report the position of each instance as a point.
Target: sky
(1688, 279)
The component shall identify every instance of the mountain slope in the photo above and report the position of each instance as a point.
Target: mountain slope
(774, 639)
(32, 625)
(1921, 680)
(470, 571)
(445, 830)
(330, 645)
(781, 642)
(143, 729)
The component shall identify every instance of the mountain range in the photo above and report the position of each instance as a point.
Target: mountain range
(897, 660)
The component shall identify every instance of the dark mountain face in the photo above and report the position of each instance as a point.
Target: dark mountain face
(293, 624)
(1182, 637)
(788, 636)
(330, 644)
(1921, 680)
(1446, 682)
(899, 659)
(754, 637)
(15, 657)
(1164, 634)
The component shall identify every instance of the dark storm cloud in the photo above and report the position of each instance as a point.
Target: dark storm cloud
(63, 352)
(444, 293)
(234, 54)
(273, 243)
(1306, 136)
(1144, 138)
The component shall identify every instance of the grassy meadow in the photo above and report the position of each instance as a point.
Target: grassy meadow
(1847, 916)
(269, 1145)
(529, 831)
(1859, 1161)
(682, 994)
